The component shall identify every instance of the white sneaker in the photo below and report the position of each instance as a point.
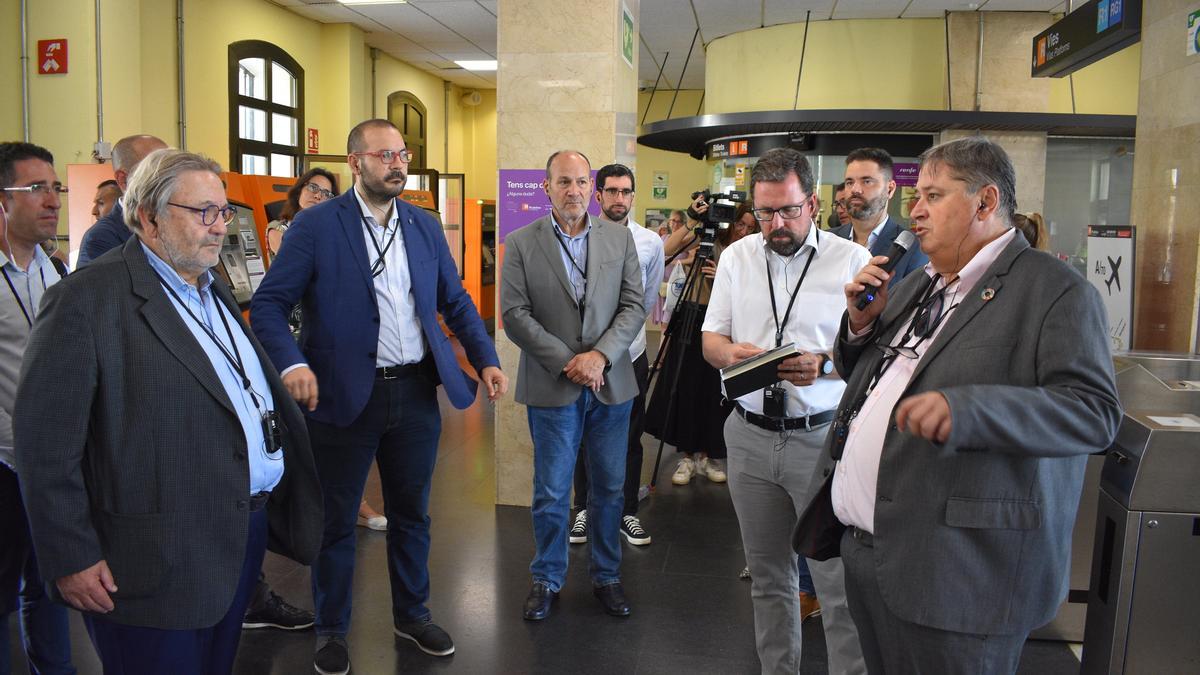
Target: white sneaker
(578, 533)
(684, 471)
(714, 470)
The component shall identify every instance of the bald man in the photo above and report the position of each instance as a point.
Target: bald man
(110, 231)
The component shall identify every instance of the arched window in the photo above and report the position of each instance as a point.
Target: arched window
(408, 113)
(266, 109)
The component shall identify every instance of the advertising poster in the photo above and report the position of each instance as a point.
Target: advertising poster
(1110, 270)
(522, 199)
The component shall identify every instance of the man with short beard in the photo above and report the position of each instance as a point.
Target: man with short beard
(372, 273)
(158, 449)
(784, 285)
(868, 187)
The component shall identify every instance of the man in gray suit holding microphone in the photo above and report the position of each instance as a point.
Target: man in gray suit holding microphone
(571, 299)
(975, 391)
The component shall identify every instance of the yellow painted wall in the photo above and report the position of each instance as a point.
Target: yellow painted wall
(685, 175)
(878, 64)
(868, 64)
(1107, 87)
(10, 71)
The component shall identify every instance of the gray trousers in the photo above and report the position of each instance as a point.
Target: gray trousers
(769, 476)
(893, 646)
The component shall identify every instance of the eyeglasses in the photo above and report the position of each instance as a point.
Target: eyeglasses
(319, 192)
(389, 156)
(613, 192)
(39, 189)
(790, 212)
(210, 213)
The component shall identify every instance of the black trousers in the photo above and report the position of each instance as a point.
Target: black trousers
(633, 457)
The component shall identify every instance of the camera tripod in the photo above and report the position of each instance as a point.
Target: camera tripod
(680, 332)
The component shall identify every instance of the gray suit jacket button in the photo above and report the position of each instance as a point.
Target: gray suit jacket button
(825, 473)
(241, 504)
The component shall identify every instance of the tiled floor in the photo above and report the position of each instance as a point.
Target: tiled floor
(692, 615)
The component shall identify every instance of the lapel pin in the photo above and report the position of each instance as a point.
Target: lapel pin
(988, 294)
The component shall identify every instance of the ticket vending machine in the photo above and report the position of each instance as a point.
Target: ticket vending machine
(242, 263)
(479, 257)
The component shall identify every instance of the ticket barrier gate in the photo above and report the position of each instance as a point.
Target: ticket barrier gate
(1143, 612)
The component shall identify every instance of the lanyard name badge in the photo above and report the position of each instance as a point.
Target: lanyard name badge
(31, 312)
(575, 264)
(378, 266)
(775, 396)
(272, 423)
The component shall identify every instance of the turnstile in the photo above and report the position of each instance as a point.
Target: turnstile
(1143, 611)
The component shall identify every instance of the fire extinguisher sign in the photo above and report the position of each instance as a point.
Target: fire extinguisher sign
(52, 57)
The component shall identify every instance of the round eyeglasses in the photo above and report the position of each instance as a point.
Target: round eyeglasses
(210, 213)
(319, 192)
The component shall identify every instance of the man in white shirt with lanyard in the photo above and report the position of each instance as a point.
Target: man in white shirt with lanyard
(614, 193)
(783, 285)
(29, 205)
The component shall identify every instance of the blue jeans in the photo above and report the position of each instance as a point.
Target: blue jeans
(45, 631)
(557, 433)
(806, 582)
(398, 429)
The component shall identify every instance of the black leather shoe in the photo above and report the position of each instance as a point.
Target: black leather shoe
(537, 603)
(612, 599)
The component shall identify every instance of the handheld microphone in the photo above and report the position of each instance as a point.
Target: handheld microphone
(894, 254)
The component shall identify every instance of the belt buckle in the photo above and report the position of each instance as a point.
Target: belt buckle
(389, 373)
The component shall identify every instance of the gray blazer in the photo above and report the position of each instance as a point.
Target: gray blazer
(974, 535)
(542, 318)
(129, 450)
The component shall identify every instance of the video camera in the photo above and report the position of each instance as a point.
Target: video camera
(722, 208)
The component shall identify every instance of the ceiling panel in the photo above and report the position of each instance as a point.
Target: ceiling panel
(466, 18)
(1021, 5)
(793, 11)
(720, 17)
(869, 9)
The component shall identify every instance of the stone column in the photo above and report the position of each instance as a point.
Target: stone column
(1004, 84)
(562, 83)
(1166, 182)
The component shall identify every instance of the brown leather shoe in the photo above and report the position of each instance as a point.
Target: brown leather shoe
(809, 606)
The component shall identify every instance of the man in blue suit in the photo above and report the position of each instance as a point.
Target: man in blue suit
(868, 187)
(372, 273)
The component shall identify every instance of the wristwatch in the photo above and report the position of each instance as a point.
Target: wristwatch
(826, 365)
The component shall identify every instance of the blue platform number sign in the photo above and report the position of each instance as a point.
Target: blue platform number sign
(1109, 14)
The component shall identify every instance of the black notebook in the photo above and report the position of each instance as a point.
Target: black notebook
(757, 371)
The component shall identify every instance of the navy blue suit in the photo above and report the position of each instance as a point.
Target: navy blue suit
(914, 259)
(106, 234)
(325, 268)
(364, 416)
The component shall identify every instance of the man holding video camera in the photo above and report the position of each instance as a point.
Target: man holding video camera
(783, 286)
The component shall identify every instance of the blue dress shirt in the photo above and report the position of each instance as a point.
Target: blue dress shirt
(265, 469)
(574, 256)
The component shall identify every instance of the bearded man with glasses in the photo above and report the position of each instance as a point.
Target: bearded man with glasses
(783, 286)
(158, 449)
(976, 388)
(372, 273)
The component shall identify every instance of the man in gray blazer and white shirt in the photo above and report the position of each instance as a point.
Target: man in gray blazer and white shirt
(975, 391)
(571, 299)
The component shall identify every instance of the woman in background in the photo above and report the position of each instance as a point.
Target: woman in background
(312, 188)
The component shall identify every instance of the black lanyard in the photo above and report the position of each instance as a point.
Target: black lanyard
(574, 263)
(20, 303)
(378, 266)
(779, 326)
(234, 358)
(925, 301)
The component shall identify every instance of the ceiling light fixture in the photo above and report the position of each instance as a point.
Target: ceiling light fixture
(477, 65)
